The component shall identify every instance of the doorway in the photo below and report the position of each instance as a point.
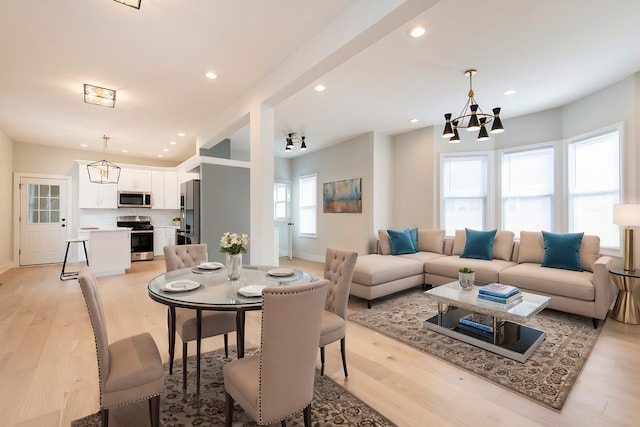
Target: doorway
(282, 217)
(43, 220)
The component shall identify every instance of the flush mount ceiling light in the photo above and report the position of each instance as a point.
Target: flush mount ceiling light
(99, 96)
(472, 118)
(131, 3)
(291, 139)
(103, 171)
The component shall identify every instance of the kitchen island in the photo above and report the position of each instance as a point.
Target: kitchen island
(109, 249)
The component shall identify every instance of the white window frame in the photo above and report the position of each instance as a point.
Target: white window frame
(486, 198)
(553, 146)
(571, 193)
(279, 202)
(309, 207)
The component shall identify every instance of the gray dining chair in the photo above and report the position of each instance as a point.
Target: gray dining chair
(185, 324)
(129, 369)
(278, 381)
(338, 269)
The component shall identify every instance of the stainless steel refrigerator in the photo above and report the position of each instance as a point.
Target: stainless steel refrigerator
(189, 232)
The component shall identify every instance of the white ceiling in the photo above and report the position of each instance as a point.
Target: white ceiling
(377, 77)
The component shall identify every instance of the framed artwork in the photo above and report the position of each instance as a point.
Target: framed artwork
(342, 196)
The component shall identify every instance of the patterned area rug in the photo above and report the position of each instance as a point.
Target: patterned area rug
(332, 404)
(546, 377)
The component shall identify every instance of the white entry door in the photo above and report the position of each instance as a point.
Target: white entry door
(43, 220)
(282, 216)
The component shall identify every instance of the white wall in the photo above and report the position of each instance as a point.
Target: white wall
(350, 159)
(6, 208)
(383, 189)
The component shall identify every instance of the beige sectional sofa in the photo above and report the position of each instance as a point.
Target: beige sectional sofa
(515, 262)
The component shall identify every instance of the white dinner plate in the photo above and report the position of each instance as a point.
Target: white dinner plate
(180, 286)
(211, 265)
(280, 272)
(251, 290)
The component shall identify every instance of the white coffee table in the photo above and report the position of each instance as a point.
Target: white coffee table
(510, 337)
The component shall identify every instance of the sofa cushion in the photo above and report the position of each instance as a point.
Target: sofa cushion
(431, 241)
(384, 242)
(374, 269)
(478, 244)
(502, 244)
(422, 256)
(401, 242)
(589, 252)
(562, 250)
(531, 247)
(448, 266)
(550, 281)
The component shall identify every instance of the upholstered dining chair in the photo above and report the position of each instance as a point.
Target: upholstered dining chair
(338, 269)
(278, 382)
(130, 369)
(213, 322)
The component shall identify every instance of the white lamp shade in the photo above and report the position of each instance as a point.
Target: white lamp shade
(626, 214)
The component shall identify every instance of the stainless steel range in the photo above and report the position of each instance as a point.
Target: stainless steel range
(141, 236)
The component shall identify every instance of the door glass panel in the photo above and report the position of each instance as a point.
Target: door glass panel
(43, 203)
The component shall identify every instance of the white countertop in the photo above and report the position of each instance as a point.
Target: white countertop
(97, 229)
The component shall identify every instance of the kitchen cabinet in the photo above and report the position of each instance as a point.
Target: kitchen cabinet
(163, 236)
(95, 196)
(164, 190)
(134, 180)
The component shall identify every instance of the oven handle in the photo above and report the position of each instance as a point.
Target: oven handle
(141, 231)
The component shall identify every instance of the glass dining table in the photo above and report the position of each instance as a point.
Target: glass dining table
(207, 289)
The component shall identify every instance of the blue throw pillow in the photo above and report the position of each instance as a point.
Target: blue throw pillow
(401, 242)
(562, 250)
(478, 244)
(413, 233)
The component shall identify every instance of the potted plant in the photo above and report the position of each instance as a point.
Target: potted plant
(466, 276)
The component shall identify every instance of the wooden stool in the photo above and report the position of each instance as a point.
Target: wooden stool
(70, 275)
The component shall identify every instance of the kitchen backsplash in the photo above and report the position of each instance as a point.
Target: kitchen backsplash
(106, 218)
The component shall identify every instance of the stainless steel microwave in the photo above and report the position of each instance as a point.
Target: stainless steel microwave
(134, 199)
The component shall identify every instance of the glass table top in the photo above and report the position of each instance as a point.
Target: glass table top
(214, 290)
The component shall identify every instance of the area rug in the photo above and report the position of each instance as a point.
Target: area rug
(332, 404)
(546, 377)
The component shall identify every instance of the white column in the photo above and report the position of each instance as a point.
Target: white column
(261, 131)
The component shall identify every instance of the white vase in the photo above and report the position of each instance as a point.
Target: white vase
(466, 280)
(234, 264)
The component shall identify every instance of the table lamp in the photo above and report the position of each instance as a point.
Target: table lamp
(629, 216)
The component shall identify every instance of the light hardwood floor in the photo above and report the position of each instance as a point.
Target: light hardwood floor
(48, 368)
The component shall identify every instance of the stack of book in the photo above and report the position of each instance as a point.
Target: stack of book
(497, 292)
(478, 324)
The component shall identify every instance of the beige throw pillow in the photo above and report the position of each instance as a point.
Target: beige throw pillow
(458, 242)
(589, 252)
(531, 247)
(385, 242)
(503, 245)
(431, 240)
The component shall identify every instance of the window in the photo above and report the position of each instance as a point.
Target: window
(464, 192)
(528, 190)
(280, 201)
(594, 186)
(44, 204)
(308, 205)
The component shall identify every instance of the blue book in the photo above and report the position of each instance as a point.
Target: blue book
(498, 290)
(479, 321)
(517, 297)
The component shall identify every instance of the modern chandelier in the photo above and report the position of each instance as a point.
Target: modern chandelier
(292, 139)
(131, 3)
(103, 171)
(472, 118)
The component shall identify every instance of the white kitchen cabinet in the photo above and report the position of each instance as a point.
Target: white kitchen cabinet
(163, 236)
(109, 251)
(134, 180)
(164, 190)
(95, 196)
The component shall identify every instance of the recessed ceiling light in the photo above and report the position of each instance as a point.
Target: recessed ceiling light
(417, 31)
(172, 143)
(319, 88)
(159, 155)
(211, 75)
(166, 150)
(125, 151)
(510, 92)
(414, 120)
(83, 145)
(181, 134)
